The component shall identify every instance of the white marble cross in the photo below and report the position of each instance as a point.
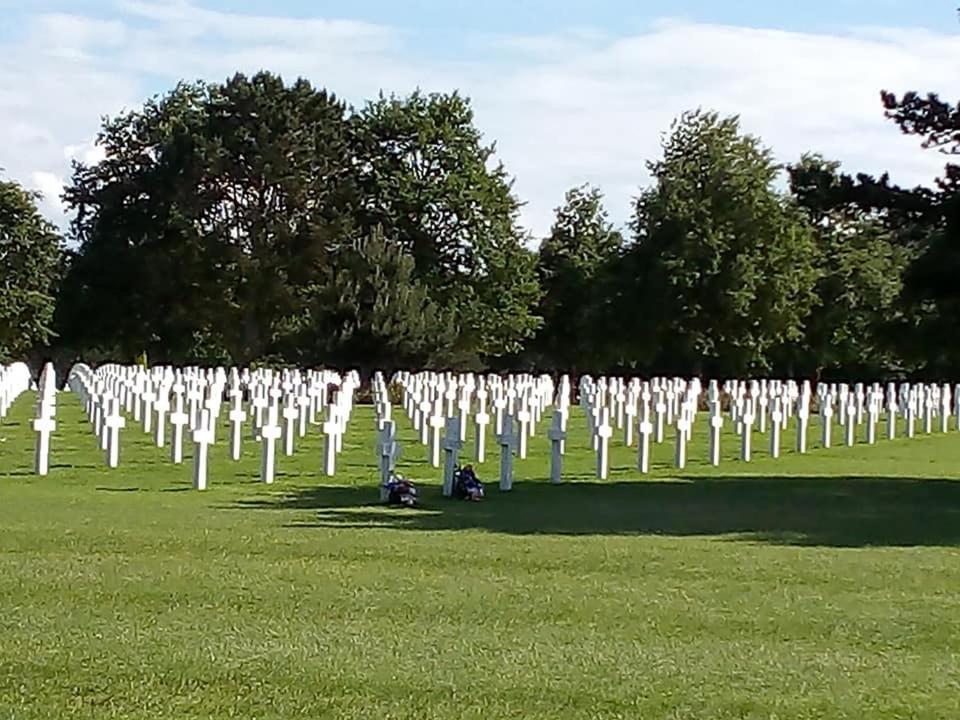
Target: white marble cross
(604, 433)
(113, 422)
(803, 422)
(826, 418)
(851, 426)
(481, 420)
(747, 420)
(178, 421)
(44, 427)
(236, 416)
(161, 407)
(291, 413)
(716, 427)
(523, 419)
(680, 449)
(776, 418)
(557, 435)
(202, 440)
(330, 430)
(269, 433)
(451, 451)
(436, 423)
(507, 441)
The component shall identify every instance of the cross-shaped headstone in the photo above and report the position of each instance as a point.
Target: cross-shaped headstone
(269, 433)
(113, 422)
(202, 440)
(451, 451)
(557, 435)
(507, 441)
(604, 433)
(44, 427)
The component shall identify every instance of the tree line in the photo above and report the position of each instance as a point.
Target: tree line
(255, 221)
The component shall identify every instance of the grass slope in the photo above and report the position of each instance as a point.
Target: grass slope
(822, 586)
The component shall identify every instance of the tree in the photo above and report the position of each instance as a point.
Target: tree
(930, 286)
(726, 265)
(213, 208)
(31, 263)
(574, 265)
(862, 265)
(368, 308)
(429, 181)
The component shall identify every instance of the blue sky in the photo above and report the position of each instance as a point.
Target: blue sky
(572, 92)
(432, 18)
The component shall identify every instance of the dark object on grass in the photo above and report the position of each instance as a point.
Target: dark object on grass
(400, 491)
(466, 485)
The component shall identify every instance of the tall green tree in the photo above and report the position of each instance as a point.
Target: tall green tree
(213, 207)
(931, 288)
(367, 308)
(431, 183)
(575, 265)
(31, 262)
(727, 265)
(852, 330)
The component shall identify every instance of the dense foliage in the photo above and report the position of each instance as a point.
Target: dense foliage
(255, 220)
(31, 261)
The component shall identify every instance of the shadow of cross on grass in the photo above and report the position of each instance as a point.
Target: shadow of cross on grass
(805, 511)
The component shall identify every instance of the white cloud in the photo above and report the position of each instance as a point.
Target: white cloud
(576, 107)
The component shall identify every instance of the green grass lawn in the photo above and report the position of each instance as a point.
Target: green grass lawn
(822, 586)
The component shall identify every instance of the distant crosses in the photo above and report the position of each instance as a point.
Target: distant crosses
(283, 404)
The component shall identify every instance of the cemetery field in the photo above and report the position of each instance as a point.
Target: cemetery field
(816, 586)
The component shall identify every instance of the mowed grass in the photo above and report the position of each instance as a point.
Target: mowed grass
(822, 586)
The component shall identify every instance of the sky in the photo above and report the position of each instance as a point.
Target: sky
(570, 92)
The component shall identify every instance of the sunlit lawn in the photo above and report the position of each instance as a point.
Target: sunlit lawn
(817, 586)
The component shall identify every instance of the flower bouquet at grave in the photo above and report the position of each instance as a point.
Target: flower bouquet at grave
(466, 485)
(400, 491)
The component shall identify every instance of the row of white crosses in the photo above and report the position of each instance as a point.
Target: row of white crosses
(14, 381)
(281, 406)
(648, 407)
(440, 406)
